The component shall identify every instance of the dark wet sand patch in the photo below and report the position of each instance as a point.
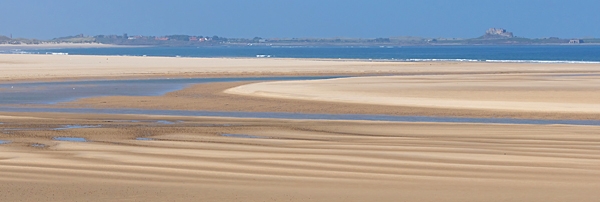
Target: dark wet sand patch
(243, 136)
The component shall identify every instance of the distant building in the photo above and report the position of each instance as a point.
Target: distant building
(493, 33)
(575, 41)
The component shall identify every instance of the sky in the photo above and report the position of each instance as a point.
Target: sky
(44, 19)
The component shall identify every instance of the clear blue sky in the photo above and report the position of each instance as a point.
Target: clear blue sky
(47, 19)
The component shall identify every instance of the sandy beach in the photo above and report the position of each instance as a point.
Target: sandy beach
(121, 157)
(48, 67)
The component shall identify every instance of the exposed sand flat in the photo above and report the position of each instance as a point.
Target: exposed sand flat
(35, 67)
(499, 92)
(210, 97)
(295, 161)
(189, 159)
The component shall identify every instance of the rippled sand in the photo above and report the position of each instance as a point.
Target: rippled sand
(189, 158)
(294, 160)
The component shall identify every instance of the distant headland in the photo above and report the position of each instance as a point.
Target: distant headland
(492, 36)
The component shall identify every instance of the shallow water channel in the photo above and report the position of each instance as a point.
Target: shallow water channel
(17, 95)
(65, 91)
(281, 115)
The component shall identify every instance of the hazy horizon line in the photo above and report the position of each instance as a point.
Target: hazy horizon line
(288, 37)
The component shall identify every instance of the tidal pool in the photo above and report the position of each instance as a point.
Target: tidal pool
(70, 139)
(168, 122)
(66, 127)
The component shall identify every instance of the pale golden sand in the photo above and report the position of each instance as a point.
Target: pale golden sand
(500, 92)
(36, 67)
(304, 160)
(210, 97)
(296, 161)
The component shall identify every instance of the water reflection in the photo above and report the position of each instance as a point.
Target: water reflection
(70, 139)
(55, 92)
(66, 127)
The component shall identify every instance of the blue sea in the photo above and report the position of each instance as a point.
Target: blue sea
(526, 54)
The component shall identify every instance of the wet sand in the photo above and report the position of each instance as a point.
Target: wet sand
(212, 97)
(189, 159)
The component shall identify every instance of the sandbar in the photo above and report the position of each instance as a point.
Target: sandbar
(500, 92)
(169, 158)
(16, 67)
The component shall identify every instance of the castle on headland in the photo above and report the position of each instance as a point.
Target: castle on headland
(575, 41)
(495, 33)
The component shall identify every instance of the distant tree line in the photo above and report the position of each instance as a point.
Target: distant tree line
(193, 40)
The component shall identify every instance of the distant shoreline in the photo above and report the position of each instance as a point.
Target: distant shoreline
(100, 45)
(61, 46)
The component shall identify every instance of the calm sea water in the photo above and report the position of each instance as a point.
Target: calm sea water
(549, 54)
